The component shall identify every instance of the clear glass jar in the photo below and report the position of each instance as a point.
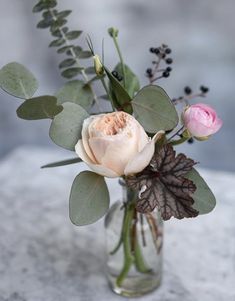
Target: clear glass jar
(134, 247)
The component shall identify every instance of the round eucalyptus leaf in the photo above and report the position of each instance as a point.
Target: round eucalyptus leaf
(89, 198)
(39, 108)
(154, 110)
(64, 49)
(203, 197)
(77, 92)
(63, 14)
(84, 54)
(71, 72)
(57, 33)
(41, 5)
(57, 43)
(18, 81)
(71, 35)
(45, 23)
(66, 127)
(67, 63)
(75, 49)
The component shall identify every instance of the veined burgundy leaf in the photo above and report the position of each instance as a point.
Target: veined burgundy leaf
(162, 184)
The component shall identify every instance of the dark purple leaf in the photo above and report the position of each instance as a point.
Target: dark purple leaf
(162, 184)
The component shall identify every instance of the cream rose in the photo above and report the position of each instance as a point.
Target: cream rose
(115, 144)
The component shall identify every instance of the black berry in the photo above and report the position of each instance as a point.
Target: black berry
(169, 60)
(190, 140)
(187, 90)
(156, 50)
(149, 72)
(168, 51)
(166, 74)
(152, 49)
(169, 69)
(204, 89)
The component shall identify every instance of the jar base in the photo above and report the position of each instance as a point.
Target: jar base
(135, 286)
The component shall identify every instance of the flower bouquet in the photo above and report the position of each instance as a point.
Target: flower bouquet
(133, 141)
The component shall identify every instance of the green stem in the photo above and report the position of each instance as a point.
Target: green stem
(121, 236)
(177, 142)
(108, 93)
(121, 60)
(140, 263)
(128, 258)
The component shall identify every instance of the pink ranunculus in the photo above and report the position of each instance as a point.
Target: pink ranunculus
(201, 120)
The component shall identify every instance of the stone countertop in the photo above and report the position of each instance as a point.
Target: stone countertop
(43, 257)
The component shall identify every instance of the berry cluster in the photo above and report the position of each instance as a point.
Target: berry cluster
(162, 53)
(188, 94)
(117, 75)
(203, 89)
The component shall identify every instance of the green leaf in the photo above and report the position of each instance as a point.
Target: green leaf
(154, 110)
(132, 82)
(45, 23)
(47, 14)
(64, 49)
(71, 72)
(66, 127)
(121, 99)
(90, 70)
(41, 5)
(57, 24)
(71, 35)
(67, 63)
(39, 108)
(203, 197)
(63, 14)
(84, 54)
(76, 50)
(77, 92)
(18, 81)
(62, 163)
(57, 32)
(89, 198)
(57, 43)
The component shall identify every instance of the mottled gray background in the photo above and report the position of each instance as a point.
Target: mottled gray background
(201, 33)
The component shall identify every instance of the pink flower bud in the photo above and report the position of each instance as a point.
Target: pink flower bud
(201, 120)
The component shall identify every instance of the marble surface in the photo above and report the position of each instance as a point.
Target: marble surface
(44, 257)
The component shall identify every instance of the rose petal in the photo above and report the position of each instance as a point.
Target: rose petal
(143, 158)
(115, 151)
(85, 138)
(101, 170)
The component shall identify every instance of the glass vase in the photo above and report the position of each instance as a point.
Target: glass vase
(134, 247)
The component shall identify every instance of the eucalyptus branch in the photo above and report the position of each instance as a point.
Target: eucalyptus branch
(55, 21)
(70, 47)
